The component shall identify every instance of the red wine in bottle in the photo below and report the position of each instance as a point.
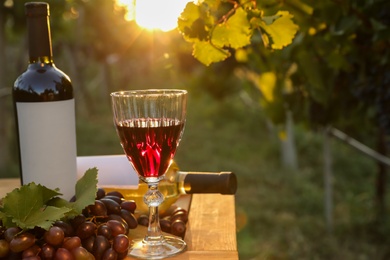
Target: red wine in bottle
(45, 111)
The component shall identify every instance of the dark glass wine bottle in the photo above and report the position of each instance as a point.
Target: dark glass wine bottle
(176, 183)
(45, 111)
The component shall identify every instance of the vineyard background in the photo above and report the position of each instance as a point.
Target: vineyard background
(336, 71)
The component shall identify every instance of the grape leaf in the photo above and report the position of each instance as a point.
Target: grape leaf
(206, 53)
(85, 195)
(26, 206)
(86, 189)
(191, 24)
(37, 206)
(280, 28)
(235, 32)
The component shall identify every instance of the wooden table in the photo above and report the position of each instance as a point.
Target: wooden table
(211, 230)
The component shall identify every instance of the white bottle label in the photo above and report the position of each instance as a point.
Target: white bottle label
(48, 150)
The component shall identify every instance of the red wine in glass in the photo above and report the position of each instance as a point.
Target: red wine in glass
(149, 143)
(149, 124)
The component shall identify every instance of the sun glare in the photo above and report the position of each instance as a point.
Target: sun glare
(154, 14)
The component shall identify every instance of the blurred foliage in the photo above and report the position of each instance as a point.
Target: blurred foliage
(334, 72)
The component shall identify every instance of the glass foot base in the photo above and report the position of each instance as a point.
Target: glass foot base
(170, 246)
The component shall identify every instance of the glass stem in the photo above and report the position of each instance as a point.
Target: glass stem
(153, 198)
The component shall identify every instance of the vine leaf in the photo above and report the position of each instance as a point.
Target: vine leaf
(235, 32)
(207, 53)
(26, 207)
(191, 23)
(279, 28)
(34, 205)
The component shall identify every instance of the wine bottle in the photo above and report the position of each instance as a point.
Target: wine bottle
(176, 183)
(45, 111)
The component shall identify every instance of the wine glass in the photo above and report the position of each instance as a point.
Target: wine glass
(150, 124)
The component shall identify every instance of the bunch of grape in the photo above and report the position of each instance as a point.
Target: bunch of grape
(100, 232)
(174, 221)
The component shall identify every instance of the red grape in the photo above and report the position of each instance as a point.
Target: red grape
(4, 248)
(112, 206)
(120, 243)
(63, 254)
(129, 205)
(86, 229)
(54, 236)
(116, 227)
(100, 245)
(104, 230)
(80, 253)
(22, 242)
(11, 232)
(98, 209)
(71, 242)
(110, 254)
(129, 218)
(47, 251)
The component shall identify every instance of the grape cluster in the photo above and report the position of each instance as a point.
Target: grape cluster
(100, 232)
(174, 221)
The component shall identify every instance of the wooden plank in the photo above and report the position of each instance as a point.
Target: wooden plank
(8, 185)
(203, 255)
(211, 224)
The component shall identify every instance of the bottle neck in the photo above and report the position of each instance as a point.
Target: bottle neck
(39, 39)
(207, 182)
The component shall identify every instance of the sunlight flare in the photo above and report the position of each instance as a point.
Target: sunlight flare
(154, 14)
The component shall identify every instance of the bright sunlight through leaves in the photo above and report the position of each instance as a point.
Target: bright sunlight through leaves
(154, 14)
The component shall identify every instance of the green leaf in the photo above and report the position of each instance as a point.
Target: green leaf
(280, 28)
(43, 218)
(191, 24)
(37, 206)
(207, 53)
(86, 188)
(26, 206)
(235, 32)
